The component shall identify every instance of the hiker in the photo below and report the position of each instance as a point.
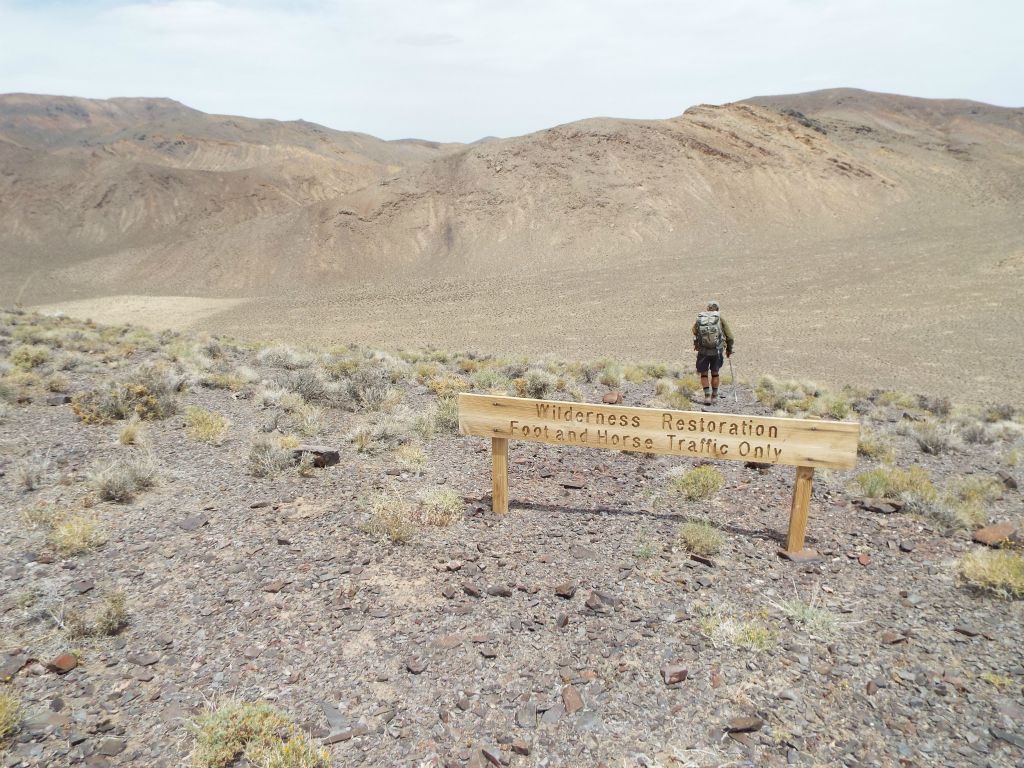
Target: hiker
(711, 335)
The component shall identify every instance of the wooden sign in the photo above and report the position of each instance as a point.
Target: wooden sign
(804, 443)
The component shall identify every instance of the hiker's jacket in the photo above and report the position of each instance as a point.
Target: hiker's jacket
(729, 338)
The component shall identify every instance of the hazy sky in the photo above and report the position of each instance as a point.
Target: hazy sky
(462, 69)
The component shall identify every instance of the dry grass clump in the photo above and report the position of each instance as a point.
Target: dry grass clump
(634, 374)
(896, 398)
(131, 433)
(283, 356)
(447, 386)
(441, 507)
(57, 382)
(310, 384)
(10, 715)
(935, 438)
(76, 534)
(809, 616)
(411, 458)
(698, 483)
(308, 420)
(368, 388)
(610, 374)
(700, 537)
(491, 380)
(206, 426)
(873, 446)
(125, 477)
(976, 431)
(895, 483)
(29, 355)
(724, 628)
(255, 732)
(1002, 412)
(268, 457)
(446, 415)
(391, 518)
(148, 394)
(30, 471)
(1000, 571)
(110, 619)
(222, 380)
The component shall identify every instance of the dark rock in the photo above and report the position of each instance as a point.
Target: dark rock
(703, 560)
(881, 506)
(450, 592)
(562, 621)
(346, 734)
(83, 586)
(571, 699)
(58, 399)
(906, 546)
(12, 665)
(499, 590)
(472, 590)
(323, 456)
(893, 638)
(1008, 480)
(613, 398)
(1012, 738)
(744, 724)
(488, 651)
(492, 755)
(566, 589)
(674, 673)
(574, 483)
(521, 747)
(595, 602)
(756, 465)
(194, 522)
(274, 586)
(526, 717)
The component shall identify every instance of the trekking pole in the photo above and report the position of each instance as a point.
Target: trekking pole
(735, 397)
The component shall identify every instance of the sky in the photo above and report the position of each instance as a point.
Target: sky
(459, 70)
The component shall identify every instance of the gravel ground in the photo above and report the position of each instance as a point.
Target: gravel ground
(539, 638)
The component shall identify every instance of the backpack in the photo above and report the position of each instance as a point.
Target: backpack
(710, 338)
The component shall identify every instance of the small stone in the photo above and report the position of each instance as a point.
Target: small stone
(111, 746)
(703, 560)
(906, 546)
(744, 724)
(63, 663)
(416, 664)
(1012, 738)
(488, 651)
(1007, 479)
(193, 523)
(58, 399)
(881, 506)
(892, 638)
(872, 688)
(492, 755)
(521, 747)
(674, 673)
(346, 734)
(447, 642)
(566, 589)
(274, 586)
(499, 590)
(613, 398)
(472, 590)
(966, 630)
(864, 560)
(526, 717)
(801, 556)
(573, 483)
(595, 603)
(571, 699)
(562, 621)
(450, 592)
(143, 659)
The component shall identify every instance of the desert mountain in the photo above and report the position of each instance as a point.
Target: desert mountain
(150, 196)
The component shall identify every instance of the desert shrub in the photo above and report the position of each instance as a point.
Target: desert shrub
(441, 507)
(206, 426)
(894, 483)
(664, 387)
(535, 383)
(310, 384)
(283, 356)
(938, 406)
(111, 617)
(10, 716)
(873, 446)
(698, 483)
(368, 388)
(897, 399)
(447, 386)
(935, 438)
(1002, 412)
(700, 538)
(30, 471)
(5, 410)
(815, 619)
(722, 627)
(391, 518)
(411, 458)
(76, 534)
(308, 420)
(976, 432)
(831, 405)
(18, 385)
(294, 750)
(121, 480)
(656, 370)
(790, 396)
(633, 373)
(222, 380)
(147, 394)
(426, 370)
(446, 417)
(268, 458)
(688, 383)
(29, 355)
(610, 375)
(998, 571)
(490, 380)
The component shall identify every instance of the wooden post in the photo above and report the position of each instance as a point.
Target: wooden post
(499, 475)
(798, 512)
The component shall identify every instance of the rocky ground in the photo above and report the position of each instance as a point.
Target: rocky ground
(575, 631)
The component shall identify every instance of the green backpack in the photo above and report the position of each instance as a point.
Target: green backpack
(710, 338)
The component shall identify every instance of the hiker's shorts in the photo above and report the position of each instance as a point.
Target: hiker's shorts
(714, 362)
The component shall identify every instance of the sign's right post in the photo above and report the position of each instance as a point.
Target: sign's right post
(798, 512)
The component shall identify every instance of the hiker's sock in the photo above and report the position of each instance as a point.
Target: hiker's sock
(707, 391)
(714, 393)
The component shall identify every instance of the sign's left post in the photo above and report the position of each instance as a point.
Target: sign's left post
(499, 475)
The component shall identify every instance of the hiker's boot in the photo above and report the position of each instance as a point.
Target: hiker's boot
(707, 395)
(714, 395)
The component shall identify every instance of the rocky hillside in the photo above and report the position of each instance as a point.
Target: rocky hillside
(216, 553)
